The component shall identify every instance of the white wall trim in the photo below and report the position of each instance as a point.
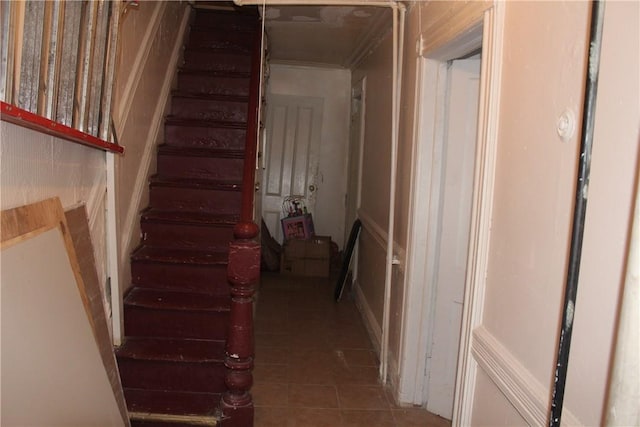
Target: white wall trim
(369, 318)
(157, 121)
(124, 106)
(376, 231)
(380, 236)
(481, 211)
(527, 395)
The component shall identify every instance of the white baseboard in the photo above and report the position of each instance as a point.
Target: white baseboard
(369, 319)
(525, 393)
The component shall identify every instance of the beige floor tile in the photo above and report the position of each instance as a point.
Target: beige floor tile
(356, 357)
(315, 365)
(312, 396)
(362, 397)
(362, 375)
(360, 418)
(270, 394)
(270, 416)
(270, 355)
(272, 340)
(270, 373)
(418, 418)
(311, 417)
(311, 372)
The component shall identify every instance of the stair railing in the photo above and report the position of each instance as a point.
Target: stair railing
(243, 271)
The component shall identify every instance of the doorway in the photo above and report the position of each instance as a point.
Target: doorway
(452, 239)
(294, 131)
(440, 216)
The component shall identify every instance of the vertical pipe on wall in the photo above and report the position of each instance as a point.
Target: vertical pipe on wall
(579, 213)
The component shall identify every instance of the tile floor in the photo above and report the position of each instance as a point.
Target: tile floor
(315, 365)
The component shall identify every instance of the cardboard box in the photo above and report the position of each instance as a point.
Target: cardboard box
(308, 257)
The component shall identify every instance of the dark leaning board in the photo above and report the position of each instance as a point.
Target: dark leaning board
(346, 260)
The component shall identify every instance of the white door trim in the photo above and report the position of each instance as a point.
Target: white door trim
(481, 211)
(419, 295)
(427, 166)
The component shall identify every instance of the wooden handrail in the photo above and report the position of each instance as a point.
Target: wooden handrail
(18, 116)
(243, 270)
(244, 229)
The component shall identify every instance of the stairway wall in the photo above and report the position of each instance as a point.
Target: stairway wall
(150, 48)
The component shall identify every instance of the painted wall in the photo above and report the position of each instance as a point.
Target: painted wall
(374, 206)
(35, 166)
(542, 75)
(333, 86)
(532, 204)
(151, 38)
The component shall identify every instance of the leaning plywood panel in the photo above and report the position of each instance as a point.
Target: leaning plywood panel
(52, 371)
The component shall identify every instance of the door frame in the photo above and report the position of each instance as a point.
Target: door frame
(417, 327)
(360, 85)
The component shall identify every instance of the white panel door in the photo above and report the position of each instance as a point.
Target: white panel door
(455, 204)
(293, 138)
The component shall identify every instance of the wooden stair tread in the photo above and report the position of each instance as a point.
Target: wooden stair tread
(171, 402)
(176, 300)
(177, 150)
(214, 73)
(172, 349)
(210, 97)
(179, 256)
(191, 218)
(162, 181)
(179, 121)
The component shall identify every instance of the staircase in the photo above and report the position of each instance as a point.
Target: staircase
(187, 355)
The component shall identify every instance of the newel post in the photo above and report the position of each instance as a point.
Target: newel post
(243, 275)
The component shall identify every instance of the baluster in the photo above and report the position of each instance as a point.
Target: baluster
(243, 275)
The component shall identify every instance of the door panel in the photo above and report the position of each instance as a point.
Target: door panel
(455, 204)
(293, 139)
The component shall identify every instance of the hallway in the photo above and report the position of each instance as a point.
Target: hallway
(315, 365)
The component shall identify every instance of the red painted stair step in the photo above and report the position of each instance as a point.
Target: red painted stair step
(227, 20)
(193, 133)
(209, 107)
(195, 195)
(189, 230)
(200, 163)
(215, 60)
(179, 269)
(220, 39)
(196, 80)
(172, 364)
(171, 402)
(173, 314)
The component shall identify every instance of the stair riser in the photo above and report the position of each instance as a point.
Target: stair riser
(217, 61)
(189, 278)
(186, 236)
(212, 85)
(237, 22)
(172, 375)
(237, 41)
(144, 322)
(203, 109)
(205, 137)
(170, 165)
(196, 200)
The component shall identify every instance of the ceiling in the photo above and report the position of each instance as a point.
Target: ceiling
(317, 33)
(335, 36)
